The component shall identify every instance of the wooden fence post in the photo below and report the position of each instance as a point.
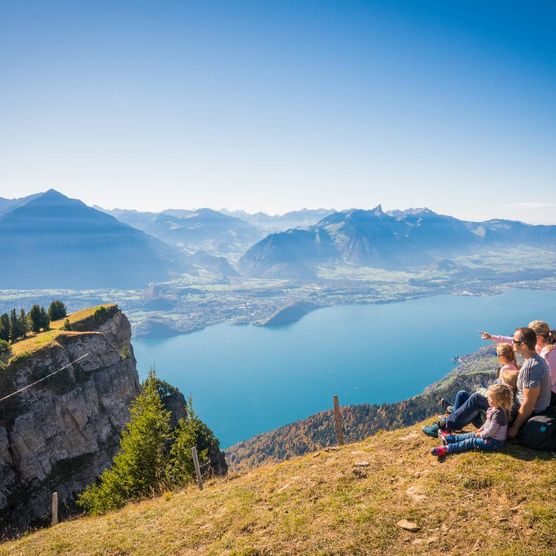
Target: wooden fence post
(338, 422)
(54, 508)
(197, 467)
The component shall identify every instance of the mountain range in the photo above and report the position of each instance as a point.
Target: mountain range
(195, 230)
(48, 240)
(399, 240)
(52, 241)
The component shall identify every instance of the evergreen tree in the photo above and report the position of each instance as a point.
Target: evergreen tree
(190, 432)
(57, 310)
(38, 318)
(22, 323)
(4, 327)
(35, 318)
(14, 327)
(45, 319)
(139, 468)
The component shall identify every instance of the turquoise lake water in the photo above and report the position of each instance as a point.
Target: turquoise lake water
(247, 380)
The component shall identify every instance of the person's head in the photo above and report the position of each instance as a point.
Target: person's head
(509, 378)
(524, 341)
(500, 395)
(542, 330)
(506, 354)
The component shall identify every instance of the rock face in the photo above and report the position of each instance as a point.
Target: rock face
(61, 433)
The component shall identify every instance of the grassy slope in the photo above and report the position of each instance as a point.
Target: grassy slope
(35, 342)
(321, 503)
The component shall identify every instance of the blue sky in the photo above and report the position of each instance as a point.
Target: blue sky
(277, 105)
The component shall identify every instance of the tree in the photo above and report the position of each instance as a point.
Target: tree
(23, 323)
(4, 327)
(13, 325)
(139, 468)
(45, 319)
(35, 318)
(38, 318)
(190, 432)
(57, 310)
(17, 326)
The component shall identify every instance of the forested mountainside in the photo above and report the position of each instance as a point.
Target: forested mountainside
(474, 370)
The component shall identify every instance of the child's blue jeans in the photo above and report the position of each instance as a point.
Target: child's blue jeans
(470, 441)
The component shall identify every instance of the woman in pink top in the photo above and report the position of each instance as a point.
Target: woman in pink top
(546, 348)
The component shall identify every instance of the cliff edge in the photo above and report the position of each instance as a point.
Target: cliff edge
(61, 433)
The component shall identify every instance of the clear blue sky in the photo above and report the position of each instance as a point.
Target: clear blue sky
(275, 105)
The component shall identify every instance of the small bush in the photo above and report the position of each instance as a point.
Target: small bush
(67, 325)
(5, 348)
(100, 314)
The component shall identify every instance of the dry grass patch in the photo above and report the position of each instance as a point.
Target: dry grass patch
(346, 501)
(34, 342)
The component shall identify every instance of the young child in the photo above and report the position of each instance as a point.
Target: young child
(490, 436)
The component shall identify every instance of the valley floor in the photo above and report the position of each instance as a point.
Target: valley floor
(338, 501)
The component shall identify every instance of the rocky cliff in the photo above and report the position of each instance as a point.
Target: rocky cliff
(61, 433)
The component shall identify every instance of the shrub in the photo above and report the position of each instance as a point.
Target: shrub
(67, 325)
(100, 314)
(5, 348)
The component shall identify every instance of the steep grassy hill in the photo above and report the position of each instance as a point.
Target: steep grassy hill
(338, 501)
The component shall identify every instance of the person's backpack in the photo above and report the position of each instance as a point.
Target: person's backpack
(539, 432)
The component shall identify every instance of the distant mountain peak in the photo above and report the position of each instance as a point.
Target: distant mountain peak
(53, 194)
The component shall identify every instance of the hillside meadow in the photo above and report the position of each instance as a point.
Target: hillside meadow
(348, 500)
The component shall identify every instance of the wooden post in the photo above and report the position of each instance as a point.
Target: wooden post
(338, 422)
(197, 467)
(54, 508)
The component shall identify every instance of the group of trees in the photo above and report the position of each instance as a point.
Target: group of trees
(152, 457)
(15, 325)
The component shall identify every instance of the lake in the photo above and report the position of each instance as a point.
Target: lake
(246, 380)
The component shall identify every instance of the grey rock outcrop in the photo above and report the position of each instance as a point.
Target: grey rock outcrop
(60, 434)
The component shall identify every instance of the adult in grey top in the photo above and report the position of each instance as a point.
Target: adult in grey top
(533, 381)
(534, 373)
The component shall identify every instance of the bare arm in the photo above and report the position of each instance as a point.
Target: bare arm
(530, 396)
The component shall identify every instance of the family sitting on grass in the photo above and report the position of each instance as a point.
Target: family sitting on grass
(515, 396)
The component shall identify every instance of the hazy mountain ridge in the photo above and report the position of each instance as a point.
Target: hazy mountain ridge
(55, 241)
(393, 240)
(281, 222)
(194, 230)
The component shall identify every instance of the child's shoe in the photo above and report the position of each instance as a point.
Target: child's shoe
(435, 428)
(441, 452)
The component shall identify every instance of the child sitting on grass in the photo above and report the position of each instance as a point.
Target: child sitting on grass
(490, 436)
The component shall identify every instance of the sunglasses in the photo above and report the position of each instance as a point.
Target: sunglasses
(517, 341)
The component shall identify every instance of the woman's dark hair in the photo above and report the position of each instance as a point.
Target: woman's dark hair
(528, 337)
